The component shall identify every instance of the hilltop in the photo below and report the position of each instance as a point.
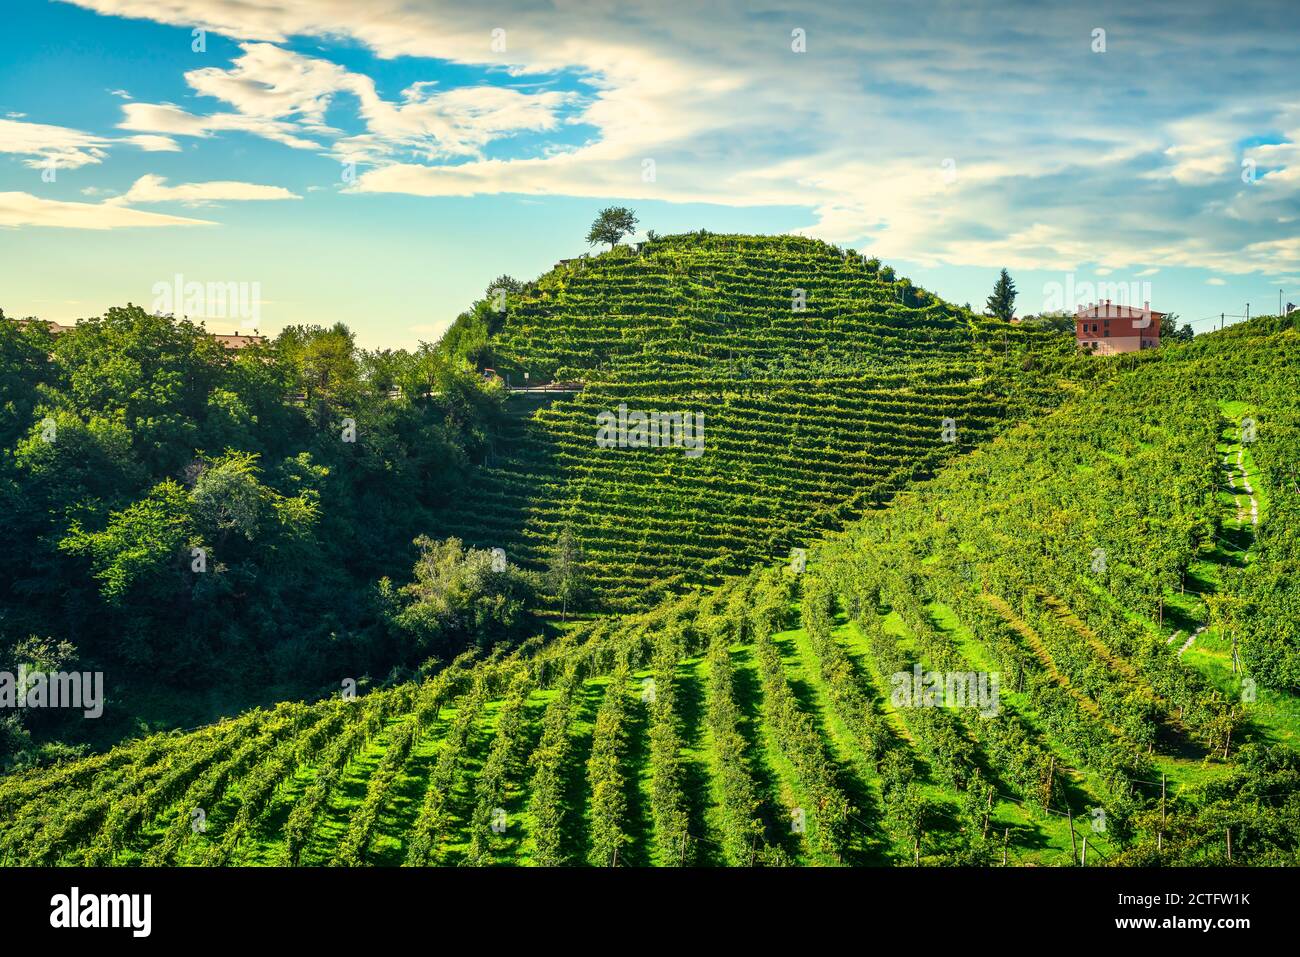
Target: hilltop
(825, 383)
(760, 722)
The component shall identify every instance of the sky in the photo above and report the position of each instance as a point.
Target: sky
(380, 162)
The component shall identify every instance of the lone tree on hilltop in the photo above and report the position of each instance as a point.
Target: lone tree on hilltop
(508, 283)
(611, 225)
(1002, 303)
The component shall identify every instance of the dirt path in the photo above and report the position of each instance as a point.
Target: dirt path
(1245, 486)
(1190, 638)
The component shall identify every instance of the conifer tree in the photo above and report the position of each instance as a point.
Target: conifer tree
(1002, 303)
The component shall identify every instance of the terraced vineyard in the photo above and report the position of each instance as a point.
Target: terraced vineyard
(811, 414)
(764, 722)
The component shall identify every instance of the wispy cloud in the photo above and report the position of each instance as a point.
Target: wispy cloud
(154, 189)
(44, 145)
(25, 209)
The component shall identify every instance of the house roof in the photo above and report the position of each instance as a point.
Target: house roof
(1109, 310)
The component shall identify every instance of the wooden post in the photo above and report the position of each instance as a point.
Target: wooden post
(987, 811)
(1160, 834)
(1005, 832)
(1229, 833)
(1085, 850)
(1074, 841)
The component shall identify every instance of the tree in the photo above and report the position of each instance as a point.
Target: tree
(508, 283)
(1002, 303)
(459, 598)
(611, 225)
(324, 366)
(1170, 332)
(564, 577)
(1053, 321)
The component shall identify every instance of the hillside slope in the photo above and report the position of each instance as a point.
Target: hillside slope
(761, 722)
(824, 383)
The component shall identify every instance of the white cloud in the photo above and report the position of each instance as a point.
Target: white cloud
(152, 143)
(154, 189)
(43, 144)
(1060, 160)
(24, 209)
(171, 120)
(1216, 281)
(284, 96)
(67, 148)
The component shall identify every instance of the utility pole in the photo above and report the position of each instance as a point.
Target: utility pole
(1162, 799)
(1160, 835)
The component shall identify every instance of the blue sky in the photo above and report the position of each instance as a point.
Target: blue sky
(379, 163)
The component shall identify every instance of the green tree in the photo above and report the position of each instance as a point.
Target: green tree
(460, 598)
(611, 225)
(1170, 330)
(324, 366)
(508, 283)
(565, 579)
(24, 348)
(1002, 303)
(1053, 321)
(154, 374)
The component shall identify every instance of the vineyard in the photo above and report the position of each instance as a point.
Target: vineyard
(824, 383)
(760, 722)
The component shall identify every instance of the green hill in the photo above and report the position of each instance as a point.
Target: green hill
(824, 383)
(762, 722)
